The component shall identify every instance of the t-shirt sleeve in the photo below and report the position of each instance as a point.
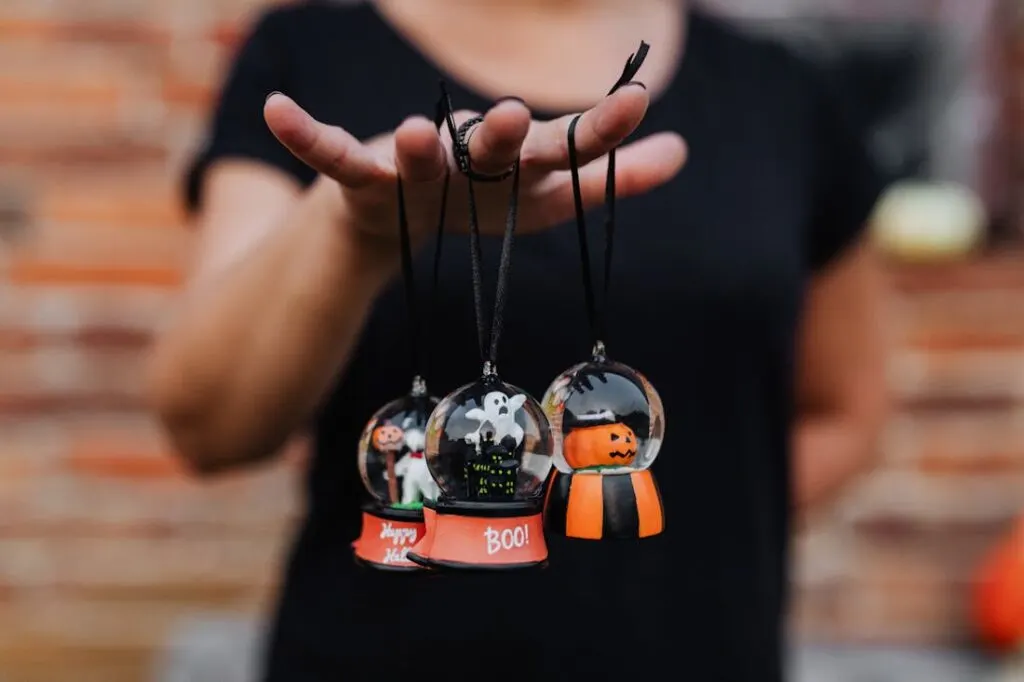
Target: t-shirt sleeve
(847, 181)
(237, 128)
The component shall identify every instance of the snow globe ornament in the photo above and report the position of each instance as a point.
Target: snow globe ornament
(394, 470)
(608, 419)
(489, 449)
(608, 422)
(489, 445)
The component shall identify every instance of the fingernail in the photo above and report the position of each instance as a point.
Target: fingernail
(510, 98)
(637, 83)
(271, 94)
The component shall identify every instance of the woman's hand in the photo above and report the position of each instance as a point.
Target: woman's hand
(367, 171)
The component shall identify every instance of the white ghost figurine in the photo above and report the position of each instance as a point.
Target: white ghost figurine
(417, 483)
(496, 418)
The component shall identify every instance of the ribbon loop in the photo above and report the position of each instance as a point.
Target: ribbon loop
(408, 276)
(596, 315)
(488, 330)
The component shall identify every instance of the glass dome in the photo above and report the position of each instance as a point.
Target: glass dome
(606, 418)
(489, 442)
(391, 449)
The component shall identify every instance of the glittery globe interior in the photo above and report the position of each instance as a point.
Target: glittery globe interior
(391, 453)
(605, 417)
(489, 442)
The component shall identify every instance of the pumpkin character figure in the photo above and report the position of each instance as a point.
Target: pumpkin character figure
(389, 440)
(602, 446)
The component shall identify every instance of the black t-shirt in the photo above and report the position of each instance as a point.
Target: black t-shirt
(710, 274)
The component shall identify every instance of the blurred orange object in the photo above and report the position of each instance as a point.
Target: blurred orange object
(999, 594)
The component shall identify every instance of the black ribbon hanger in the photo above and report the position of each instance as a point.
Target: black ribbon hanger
(419, 364)
(596, 316)
(487, 338)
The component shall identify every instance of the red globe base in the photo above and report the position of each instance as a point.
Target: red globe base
(387, 536)
(482, 536)
(614, 506)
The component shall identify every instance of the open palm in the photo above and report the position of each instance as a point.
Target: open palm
(367, 171)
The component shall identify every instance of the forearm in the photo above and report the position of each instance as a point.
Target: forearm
(829, 451)
(254, 349)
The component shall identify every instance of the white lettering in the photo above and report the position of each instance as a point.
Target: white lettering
(398, 536)
(506, 539)
(393, 555)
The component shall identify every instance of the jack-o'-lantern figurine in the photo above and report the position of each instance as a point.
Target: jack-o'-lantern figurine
(600, 446)
(607, 419)
(387, 437)
(608, 422)
(395, 473)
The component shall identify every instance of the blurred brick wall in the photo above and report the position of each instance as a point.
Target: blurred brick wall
(104, 543)
(892, 560)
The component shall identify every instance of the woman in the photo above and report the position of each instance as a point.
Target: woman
(742, 289)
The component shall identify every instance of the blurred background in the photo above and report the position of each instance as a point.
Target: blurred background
(115, 567)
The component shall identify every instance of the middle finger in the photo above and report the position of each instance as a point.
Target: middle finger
(494, 143)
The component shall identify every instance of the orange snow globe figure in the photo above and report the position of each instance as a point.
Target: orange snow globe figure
(394, 471)
(489, 450)
(608, 422)
(607, 418)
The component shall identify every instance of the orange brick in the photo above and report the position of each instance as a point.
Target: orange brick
(228, 34)
(986, 376)
(934, 500)
(129, 447)
(114, 151)
(68, 313)
(66, 375)
(83, 72)
(96, 20)
(28, 271)
(72, 504)
(102, 244)
(130, 199)
(194, 72)
(908, 592)
(110, 462)
(962, 320)
(951, 442)
(1001, 272)
(816, 612)
(137, 567)
(68, 638)
(17, 339)
(19, 92)
(113, 474)
(71, 102)
(94, 254)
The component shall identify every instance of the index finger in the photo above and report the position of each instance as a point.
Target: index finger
(600, 129)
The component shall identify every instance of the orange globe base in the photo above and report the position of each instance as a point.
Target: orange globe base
(482, 536)
(592, 506)
(387, 536)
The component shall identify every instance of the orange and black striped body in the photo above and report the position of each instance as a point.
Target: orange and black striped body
(604, 506)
